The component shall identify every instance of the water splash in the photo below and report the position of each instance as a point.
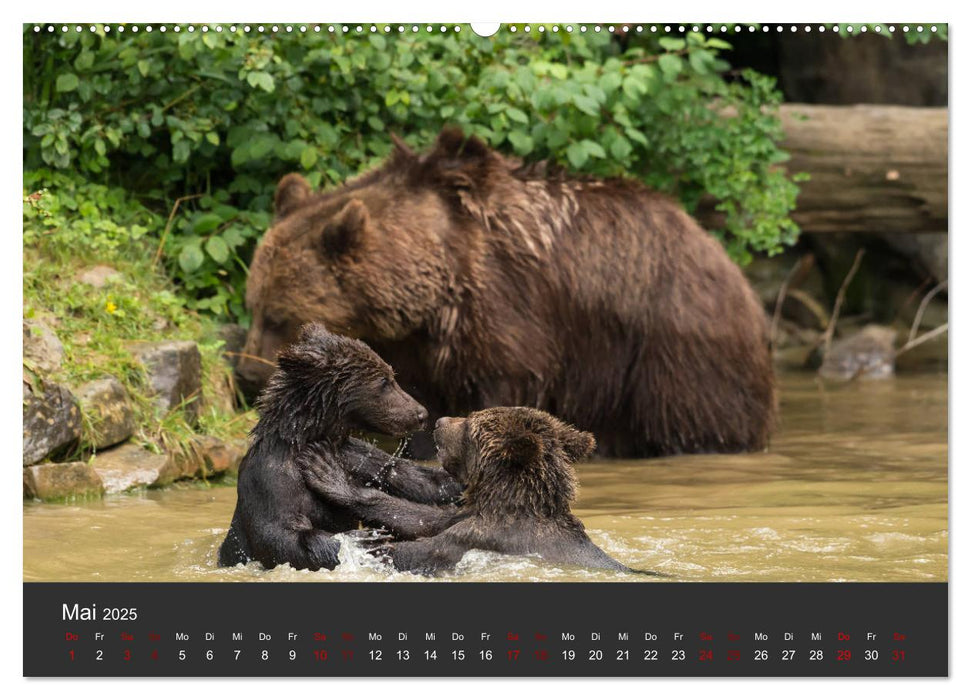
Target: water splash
(402, 444)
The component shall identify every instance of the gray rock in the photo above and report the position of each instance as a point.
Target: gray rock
(52, 420)
(105, 403)
(128, 467)
(98, 276)
(65, 481)
(868, 354)
(234, 337)
(43, 352)
(174, 372)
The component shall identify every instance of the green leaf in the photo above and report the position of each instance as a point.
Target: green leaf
(217, 249)
(620, 148)
(577, 154)
(587, 105)
(144, 67)
(671, 43)
(308, 157)
(594, 149)
(670, 65)
(191, 258)
(517, 115)
(261, 79)
(84, 60)
(635, 135)
(66, 82)
(212, 137)
(634, 87)
(610, 81)
(700, 60)
(181, 151)
(378, 42)
(521, 143)
(206, 223)
(716, 43)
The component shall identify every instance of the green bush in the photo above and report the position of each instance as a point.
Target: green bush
(199, 126)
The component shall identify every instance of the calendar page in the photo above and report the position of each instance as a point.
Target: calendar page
(421, 349)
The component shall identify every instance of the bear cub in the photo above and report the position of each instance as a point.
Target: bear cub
(325, 387)
(516, 465)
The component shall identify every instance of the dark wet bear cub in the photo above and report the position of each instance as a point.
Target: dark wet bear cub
(325, 386)
(517, 468)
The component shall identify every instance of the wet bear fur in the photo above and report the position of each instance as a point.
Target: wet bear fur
(516, 465)
(325, 387)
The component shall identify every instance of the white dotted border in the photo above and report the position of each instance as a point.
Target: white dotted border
(441, 28)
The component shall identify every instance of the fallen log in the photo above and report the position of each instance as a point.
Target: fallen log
(874, 168)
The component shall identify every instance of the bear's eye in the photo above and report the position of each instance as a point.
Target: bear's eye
(386, 384)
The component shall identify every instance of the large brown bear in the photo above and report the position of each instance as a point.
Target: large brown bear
(516, 465)
(486, 283)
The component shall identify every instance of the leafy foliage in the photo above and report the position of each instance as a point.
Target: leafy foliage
(83, 224)
(85, 218)
(201, 125)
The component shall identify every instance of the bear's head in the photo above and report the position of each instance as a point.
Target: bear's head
(327, 385)
(513, 461)
(375, 259)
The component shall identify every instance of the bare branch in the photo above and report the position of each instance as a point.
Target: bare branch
(929, 335)
(250, 357)
(831, 328)
(801, 263)
(168, 226)
(923, 307)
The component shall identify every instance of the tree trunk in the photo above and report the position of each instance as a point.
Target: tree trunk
(874, 168)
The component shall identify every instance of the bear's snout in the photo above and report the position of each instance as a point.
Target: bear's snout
(421, 415)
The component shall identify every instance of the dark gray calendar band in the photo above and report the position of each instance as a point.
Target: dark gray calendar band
(485, 629)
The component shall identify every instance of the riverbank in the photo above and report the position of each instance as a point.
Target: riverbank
(123, 386)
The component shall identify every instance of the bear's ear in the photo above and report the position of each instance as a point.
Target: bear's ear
(345, 231)
(464, 163)
(453, 144)
(290, 192)
(522, 448)
(578, 444)
(316, 332)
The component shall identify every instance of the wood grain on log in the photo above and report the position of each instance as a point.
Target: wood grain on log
(874, 168)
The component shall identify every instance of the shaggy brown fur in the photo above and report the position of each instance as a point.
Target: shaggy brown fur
(517, 468)
(488, 283)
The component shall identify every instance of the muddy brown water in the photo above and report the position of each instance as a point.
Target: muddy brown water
(853, 488)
